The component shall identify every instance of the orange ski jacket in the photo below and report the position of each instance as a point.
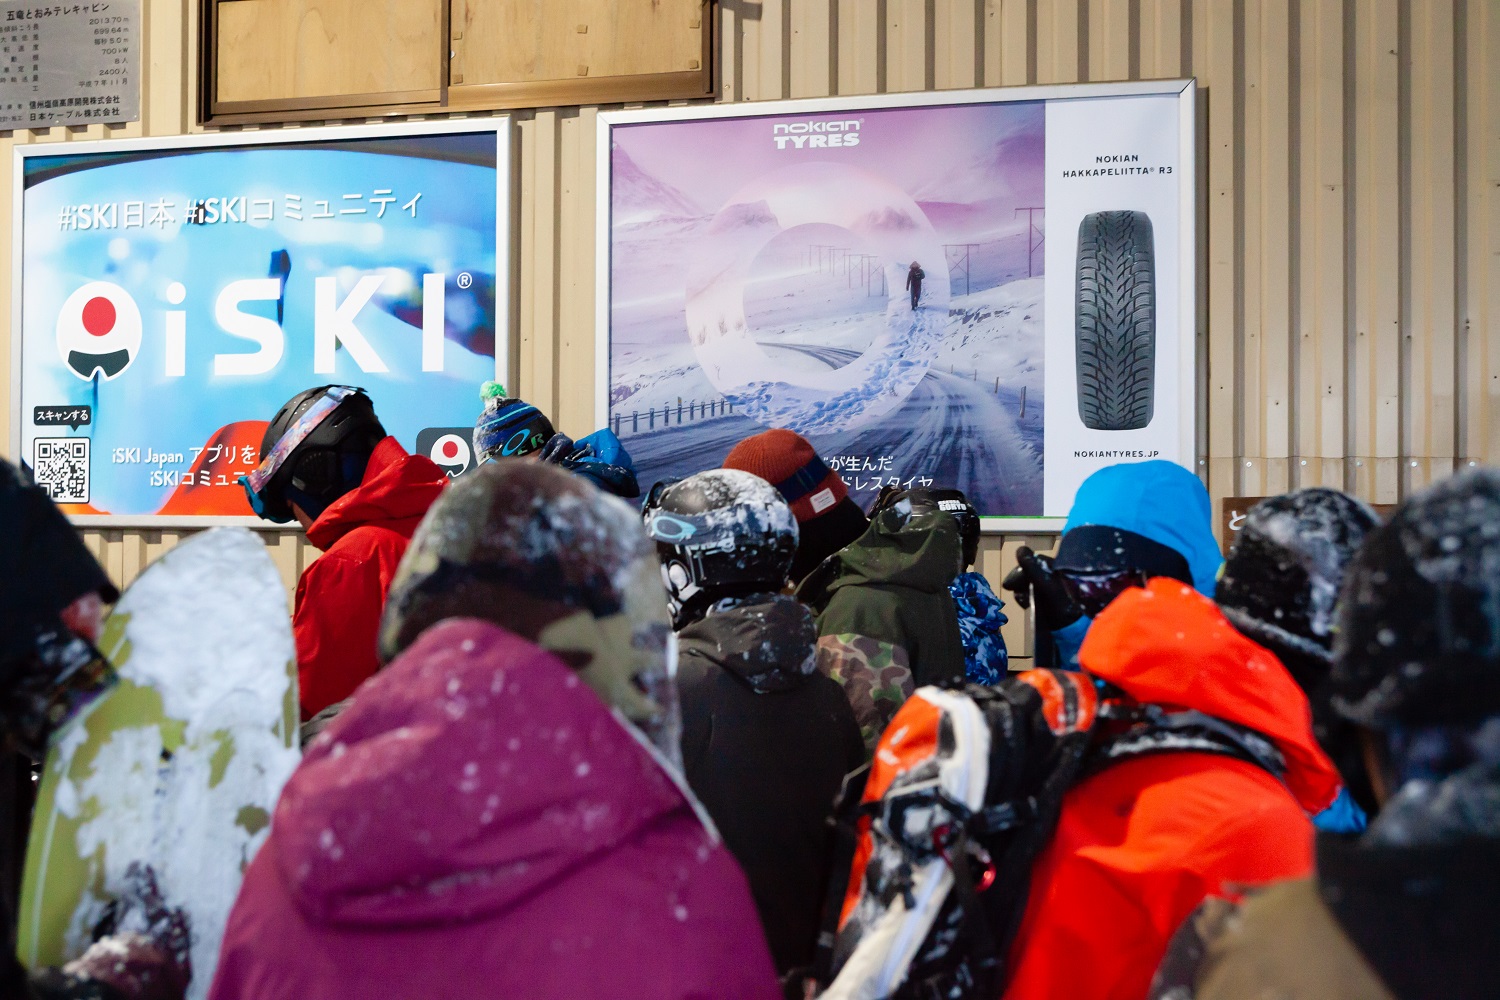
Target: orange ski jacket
(1140, 844)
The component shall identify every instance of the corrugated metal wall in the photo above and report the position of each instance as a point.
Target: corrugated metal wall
(1349, 258)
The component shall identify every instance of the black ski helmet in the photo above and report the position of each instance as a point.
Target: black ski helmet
(720, 533)
(329, 459)
(927, 500)
(1418, 640)
(1280, 585)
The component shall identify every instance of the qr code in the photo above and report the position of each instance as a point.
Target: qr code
(61, 467)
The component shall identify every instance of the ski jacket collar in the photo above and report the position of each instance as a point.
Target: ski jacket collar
(1159, 500)
(921, 552)
(1168, 645)
(395, 493)
(469, 775)
(767, 640)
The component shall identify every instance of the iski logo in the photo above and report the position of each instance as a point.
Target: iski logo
(449, 447)
(99, 327)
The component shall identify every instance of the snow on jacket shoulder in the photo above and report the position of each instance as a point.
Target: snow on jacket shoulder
(1140, 844)
(363, 536)
(478, 823)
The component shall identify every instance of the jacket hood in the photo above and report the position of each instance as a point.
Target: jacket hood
(768, 640)
(470, 774)
(1159, 500)
(918, 551)
(1168, 645)
(395, 493)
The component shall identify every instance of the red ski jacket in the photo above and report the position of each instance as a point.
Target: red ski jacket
(363, 535)
(1140, 844)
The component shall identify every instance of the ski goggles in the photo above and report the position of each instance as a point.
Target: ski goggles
(1093, 592)
(256, 481)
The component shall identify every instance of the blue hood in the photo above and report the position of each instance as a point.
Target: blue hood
(1159, 500)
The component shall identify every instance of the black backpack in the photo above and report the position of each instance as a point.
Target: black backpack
(939, 834)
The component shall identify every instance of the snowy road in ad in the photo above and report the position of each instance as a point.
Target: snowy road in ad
(953, 427)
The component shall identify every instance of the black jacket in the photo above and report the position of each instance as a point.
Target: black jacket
(766, 742)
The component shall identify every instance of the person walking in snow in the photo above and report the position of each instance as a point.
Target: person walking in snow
(914, 276)
(499, 811)
(326, 461)
(766, 739)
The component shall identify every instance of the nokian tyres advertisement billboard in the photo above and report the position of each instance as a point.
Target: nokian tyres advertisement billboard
(172, 294)
(987, 290)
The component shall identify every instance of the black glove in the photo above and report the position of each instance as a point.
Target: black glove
(1035, 577)
(558, 447)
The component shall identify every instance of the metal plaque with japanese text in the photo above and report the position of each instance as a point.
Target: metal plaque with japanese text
(69, 63)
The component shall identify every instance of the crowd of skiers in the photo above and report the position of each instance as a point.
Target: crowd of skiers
(747, 740)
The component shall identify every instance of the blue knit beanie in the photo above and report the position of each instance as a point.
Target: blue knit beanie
(508, 427)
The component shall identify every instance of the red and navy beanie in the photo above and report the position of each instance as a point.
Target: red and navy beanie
(827, 520)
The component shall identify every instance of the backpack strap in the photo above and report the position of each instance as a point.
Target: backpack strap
(1152, 729)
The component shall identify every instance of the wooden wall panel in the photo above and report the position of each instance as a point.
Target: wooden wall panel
(1350, 210)
(283, 49)
(529, 41)
(533, 41)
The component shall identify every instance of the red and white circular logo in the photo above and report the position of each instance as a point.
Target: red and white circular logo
(452, 452)
(99, 329)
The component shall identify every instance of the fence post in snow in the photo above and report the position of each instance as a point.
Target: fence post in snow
(1023, 402)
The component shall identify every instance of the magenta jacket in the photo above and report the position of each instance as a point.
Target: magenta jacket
(478, 824)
